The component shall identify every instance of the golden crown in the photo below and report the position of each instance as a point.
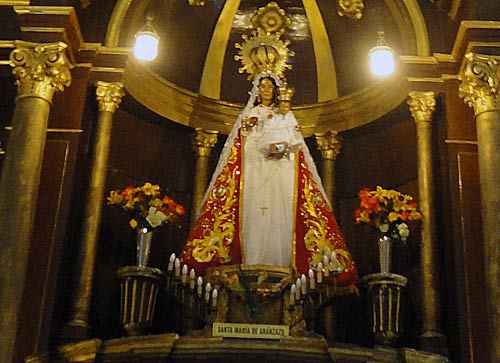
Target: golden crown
(263, 50)
(285, 92)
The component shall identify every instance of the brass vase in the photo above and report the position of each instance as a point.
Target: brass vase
(139, 291)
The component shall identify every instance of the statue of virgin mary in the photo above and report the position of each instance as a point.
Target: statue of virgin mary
(265, 204)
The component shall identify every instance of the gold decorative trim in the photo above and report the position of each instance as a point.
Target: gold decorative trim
(422, 105)
(329, 144)
(350, 8)
(212, 70)
(480, 87)
(325, 66)
(109, 95)
(40, 69)
(204, 141)
(191, 109)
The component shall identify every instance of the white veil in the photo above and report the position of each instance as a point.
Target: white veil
(234, 132)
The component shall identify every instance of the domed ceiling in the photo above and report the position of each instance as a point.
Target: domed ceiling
(196, 80)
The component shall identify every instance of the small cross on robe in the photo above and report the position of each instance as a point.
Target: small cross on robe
(263, 208)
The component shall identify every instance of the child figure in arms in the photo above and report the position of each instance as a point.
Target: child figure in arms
(285, 127)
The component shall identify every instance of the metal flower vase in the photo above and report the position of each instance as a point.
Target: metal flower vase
(144, 238)
(385, 245)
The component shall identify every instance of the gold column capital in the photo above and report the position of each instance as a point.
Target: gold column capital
(329, 144)
(480, 86)
(109, 95)
(204, 141)
(422, 105)
(40, 69)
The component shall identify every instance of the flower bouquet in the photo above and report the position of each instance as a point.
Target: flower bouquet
(145, 206)
(147, 210)
(387, 211)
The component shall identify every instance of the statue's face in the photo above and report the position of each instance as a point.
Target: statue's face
(266, 91)
(284, 107)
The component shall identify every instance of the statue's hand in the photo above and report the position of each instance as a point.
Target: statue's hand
(248, 123)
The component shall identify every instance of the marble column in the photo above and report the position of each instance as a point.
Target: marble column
(109, 96)
(422, 106)
(203, 143)
(40, 71)
(480, 89)
(329, 144)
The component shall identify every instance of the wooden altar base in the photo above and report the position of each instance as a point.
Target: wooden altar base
(170, 348)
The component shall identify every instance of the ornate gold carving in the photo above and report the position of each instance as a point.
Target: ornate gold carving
(220, 236)
(40, 69)
(422, 105)
(84, 351)
(317, 237)
(109, 95)
(480, 82)
(264, 51)
(197, 2)
(329, 144)
(272, 19)
(350, 8)
(204, 141)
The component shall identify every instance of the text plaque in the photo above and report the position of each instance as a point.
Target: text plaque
(250, 331)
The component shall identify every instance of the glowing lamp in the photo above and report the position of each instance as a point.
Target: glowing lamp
(382, 61)
(146, 42)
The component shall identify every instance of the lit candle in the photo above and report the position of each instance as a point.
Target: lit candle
(335, 264)
(297, 292)
(214, 298)
(177, 265)
(293, 290)
(312, 283)
(199, 284)
(184, 274)
(320, 273)
(208, 288)
(303, 284)
(192, 279)
(171, 262)
(327, 264)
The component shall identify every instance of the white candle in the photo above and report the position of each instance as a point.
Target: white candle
(303, 284)
(177, 265)
(214, 298)
(326, 263)
(199, 283)
(171, 262)
(192, 279)
(208, 287)
(184, 274)
(320, 273)
(335, 263)
(312, 283)
(297, 292)
(293, 290)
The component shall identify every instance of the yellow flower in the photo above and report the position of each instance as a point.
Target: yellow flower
(115, 197)
(393, 216)
(156, 202)
(132, 223)
(150, 189)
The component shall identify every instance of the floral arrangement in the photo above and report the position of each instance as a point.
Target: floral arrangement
(387, 211)
(146, 207)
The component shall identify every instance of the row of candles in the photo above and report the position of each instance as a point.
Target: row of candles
(297, 289)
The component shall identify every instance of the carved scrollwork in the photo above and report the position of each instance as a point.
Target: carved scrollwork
(204, 141)
(329, 144)
(422, 105)
(480, 82)
(40, 69)
(350, 8)
(109, 95)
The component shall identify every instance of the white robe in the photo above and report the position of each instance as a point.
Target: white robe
(268, 190)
